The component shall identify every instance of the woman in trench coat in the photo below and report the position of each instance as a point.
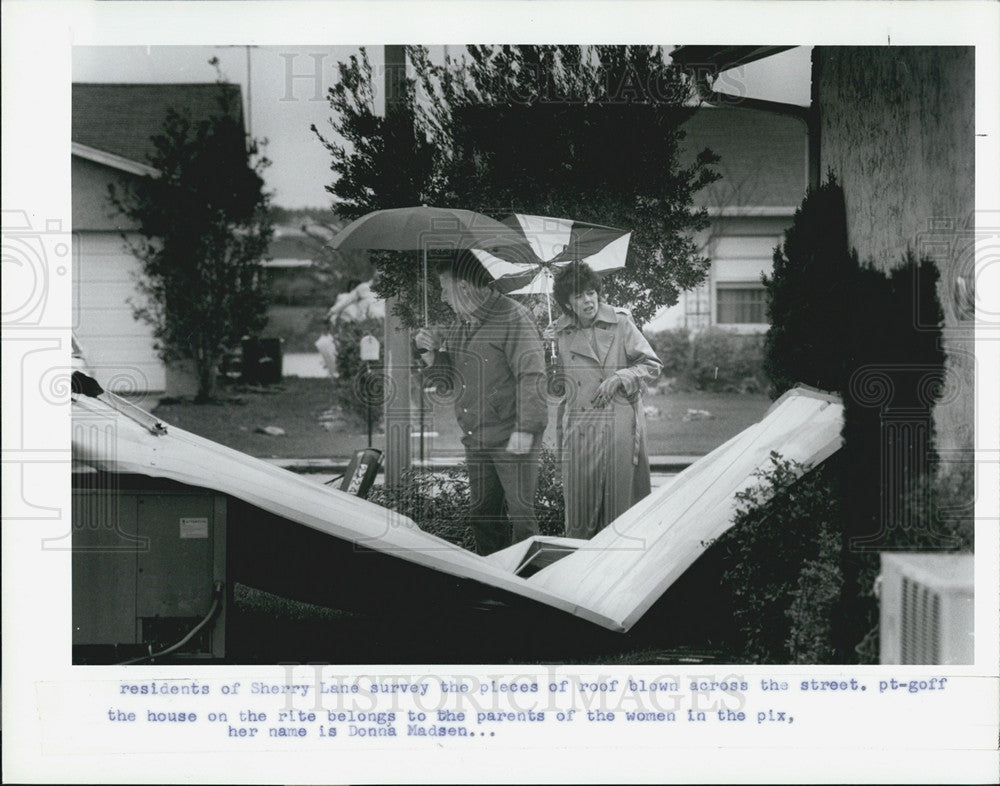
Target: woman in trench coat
(605, 364)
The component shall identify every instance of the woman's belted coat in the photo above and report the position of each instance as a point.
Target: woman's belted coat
(603, 450)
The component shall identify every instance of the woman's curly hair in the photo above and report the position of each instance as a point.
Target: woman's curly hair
(574, 279)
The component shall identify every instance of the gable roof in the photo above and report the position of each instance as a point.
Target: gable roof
(722, 58)
(291, 242)
(763, 159)
(295, 246)
(120, 119)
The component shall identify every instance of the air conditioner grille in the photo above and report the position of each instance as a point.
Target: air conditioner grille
(920, 633)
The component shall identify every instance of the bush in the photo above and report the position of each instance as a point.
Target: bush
(724, 360)
(715, 359)
(781, 565)
(301, 286)
(438, 501)
(814, 600)
(812, 296)
(792, 576)
(893, 378)
(549, 503)
(847, 328)
(673, 348)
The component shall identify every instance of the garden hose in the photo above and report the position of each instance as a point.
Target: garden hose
(213, 610)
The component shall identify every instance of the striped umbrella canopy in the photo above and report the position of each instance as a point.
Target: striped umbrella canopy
(555, 242)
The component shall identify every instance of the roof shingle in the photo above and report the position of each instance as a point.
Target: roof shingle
(121, 118)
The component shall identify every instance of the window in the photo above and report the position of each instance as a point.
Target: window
(741, 304)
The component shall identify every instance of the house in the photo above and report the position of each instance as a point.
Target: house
(763, 163)
(897, 127)
(112, 127)
(305, 278)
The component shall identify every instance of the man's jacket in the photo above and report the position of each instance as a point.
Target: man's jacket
(496, 368)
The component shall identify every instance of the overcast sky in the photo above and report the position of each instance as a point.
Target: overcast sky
(288, 85)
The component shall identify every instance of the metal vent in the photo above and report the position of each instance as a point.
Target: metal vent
(921, 624)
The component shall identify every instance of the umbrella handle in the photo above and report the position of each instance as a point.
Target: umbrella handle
(424, 267)
(548, 303)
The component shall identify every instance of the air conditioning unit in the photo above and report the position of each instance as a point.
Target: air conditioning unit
(149, 568)
(927, 608)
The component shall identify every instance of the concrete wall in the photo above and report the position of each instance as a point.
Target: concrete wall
(898, 131)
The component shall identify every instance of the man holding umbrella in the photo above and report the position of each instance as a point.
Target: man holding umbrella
(494, 357)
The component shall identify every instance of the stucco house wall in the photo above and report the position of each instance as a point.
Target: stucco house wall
(897, 128)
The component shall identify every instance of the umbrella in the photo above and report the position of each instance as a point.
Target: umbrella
(555, 242)
(422, 228)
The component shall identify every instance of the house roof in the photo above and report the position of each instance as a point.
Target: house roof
(763, 159)
(721, 58)
(286, 247)
(290, 241)
(120, 119)
(608, 580)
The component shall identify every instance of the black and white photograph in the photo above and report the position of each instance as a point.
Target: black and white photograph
(534, 282)
(609, 370)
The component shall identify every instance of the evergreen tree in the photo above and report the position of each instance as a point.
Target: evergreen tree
(812, 293)
(875, 339)
(203, 228)
(586, 133)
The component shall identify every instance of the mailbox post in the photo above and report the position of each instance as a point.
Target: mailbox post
(369, 354)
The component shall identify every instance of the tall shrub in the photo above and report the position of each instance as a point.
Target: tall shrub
(895, 378)
(811, 296)
(203, 228)
(875, 339)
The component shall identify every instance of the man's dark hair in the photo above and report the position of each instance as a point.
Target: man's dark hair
(574, 279)
(464, 266)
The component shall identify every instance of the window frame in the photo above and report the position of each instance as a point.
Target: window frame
(736, 286)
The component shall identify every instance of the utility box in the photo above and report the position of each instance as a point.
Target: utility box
(149, 556)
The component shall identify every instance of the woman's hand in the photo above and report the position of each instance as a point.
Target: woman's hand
(549, 334)
(606, 390)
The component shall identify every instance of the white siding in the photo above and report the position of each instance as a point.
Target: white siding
(745, 246)
(119, 348)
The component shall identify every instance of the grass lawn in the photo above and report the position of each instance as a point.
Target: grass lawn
(297, 406)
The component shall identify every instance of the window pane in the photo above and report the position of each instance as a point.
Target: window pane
(741, 306)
